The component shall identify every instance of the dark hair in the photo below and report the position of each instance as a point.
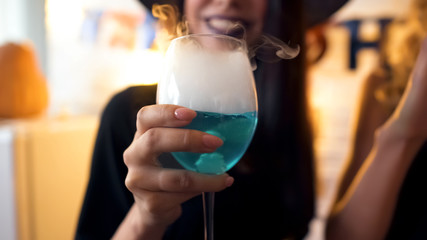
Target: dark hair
(284, 135)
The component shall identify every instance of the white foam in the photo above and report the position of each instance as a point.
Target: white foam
(211, 80)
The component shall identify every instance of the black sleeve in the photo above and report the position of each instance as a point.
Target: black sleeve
(107, 199)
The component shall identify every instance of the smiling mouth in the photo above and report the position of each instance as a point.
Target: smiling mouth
(231, 27)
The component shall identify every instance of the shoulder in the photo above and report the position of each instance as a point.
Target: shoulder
(135, 96)
(372, 100)
(131, 99)
(374, 80)
(371, 91)
(122, 108)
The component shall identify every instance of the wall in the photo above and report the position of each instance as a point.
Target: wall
(365, 9)
(7, 199)
(23, 20)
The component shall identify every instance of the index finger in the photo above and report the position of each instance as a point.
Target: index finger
(163, 115)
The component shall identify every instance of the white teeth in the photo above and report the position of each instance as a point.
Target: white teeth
(222, 24)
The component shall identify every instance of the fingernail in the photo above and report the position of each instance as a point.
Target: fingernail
(211, 141)
(229, 181)
(185, 114)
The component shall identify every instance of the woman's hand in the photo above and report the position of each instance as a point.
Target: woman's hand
(159, 192)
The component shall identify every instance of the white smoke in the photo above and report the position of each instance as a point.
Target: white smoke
(271, 49)
(207, 79)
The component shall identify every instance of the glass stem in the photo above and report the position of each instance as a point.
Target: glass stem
(208, 208)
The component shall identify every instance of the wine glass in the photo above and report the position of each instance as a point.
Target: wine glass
(211, 74)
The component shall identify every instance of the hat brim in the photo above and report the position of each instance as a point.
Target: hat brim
(316, 11)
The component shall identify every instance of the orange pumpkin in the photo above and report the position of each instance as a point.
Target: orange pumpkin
(23, 87)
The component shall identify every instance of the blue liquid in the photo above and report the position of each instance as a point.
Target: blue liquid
(236, 130)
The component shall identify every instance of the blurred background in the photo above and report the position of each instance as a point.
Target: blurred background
(78, 53)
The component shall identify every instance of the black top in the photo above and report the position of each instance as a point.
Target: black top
(410, 217)
(259, 205)
(262, 204)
